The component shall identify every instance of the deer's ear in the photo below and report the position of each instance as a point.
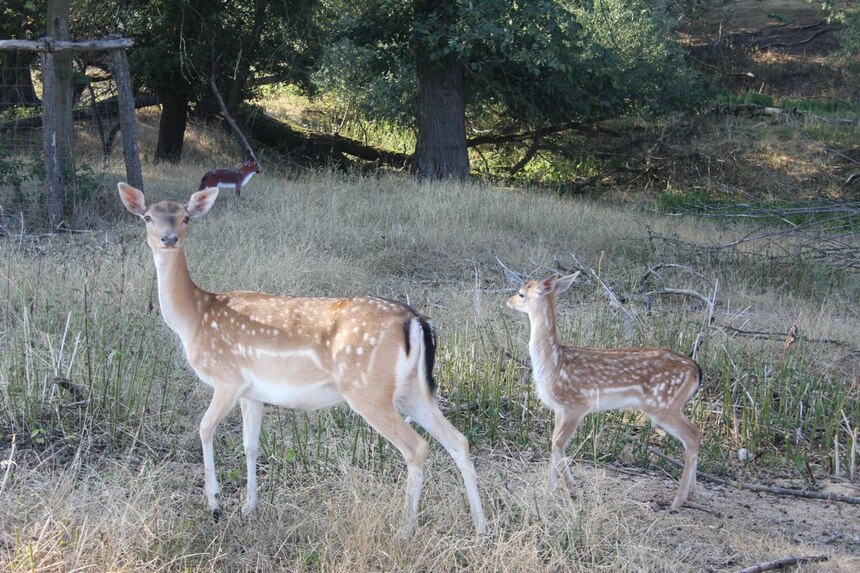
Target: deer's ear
(201, 202)
(564, 283)
(132, 198)
(546, 286)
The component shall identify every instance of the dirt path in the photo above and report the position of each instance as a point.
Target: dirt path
(727, 529)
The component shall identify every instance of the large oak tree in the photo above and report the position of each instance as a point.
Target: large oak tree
(543, 65)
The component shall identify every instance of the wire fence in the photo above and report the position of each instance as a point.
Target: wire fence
(95, 143)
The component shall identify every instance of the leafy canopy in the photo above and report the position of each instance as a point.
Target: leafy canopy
(528, 62)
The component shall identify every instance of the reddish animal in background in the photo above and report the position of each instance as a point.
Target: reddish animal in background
(233, 179)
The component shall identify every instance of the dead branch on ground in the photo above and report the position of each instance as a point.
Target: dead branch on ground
(828, 239)
(761, 488)
(75, 390)
(783, 563)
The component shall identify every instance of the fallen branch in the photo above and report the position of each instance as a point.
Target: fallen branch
(319, 147)
(76, 391)
(782, 563)
(449, 407)
(632, 321)
(749, 110)
(761, 488)
(514, 278)
(105, 107)
(249, 152)
(762, 335)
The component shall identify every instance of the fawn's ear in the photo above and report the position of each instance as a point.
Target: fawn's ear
(132, 198)
(201, 202)
(546, 286)
(564, 283)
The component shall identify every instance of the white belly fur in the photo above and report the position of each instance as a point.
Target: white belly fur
(305, 396)
(300, 386)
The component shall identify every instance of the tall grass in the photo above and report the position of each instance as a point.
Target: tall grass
(79, 312)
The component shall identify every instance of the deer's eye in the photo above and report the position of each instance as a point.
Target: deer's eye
(147, 218)
(186, 220)
(522, 294)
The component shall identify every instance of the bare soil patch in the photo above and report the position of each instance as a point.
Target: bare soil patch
(783, 48)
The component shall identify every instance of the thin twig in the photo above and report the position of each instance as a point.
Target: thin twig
(513, 277)
(783, 563)
(762, 488)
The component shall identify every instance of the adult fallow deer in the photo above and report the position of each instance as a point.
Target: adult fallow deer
(302, 353)
(575, 381)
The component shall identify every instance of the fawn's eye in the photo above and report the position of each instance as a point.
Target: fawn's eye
(186, 220)
(522, 294)
(147, 218)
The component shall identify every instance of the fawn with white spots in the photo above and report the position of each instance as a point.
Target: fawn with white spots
(233, 179)
(302, 353)
(574, 382)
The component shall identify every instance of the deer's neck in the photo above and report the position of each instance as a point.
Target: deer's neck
(180, 300)
(544, 347)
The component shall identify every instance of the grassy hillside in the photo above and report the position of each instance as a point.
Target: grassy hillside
(101, 467)
(123, 456)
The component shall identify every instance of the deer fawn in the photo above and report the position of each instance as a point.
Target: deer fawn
(230, 178)
(575, 381)
(300, 353)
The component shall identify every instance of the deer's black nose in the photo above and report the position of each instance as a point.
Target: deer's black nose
(169, 239)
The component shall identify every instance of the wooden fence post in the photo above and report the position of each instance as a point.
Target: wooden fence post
(127, 119)
(55, 196)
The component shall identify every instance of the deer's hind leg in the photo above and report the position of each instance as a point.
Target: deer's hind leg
(678, 426)
(384, 418)
(252, 420)
(425, 411)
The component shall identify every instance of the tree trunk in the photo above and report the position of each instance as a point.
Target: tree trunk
(171, 128)
(440, 151)
(243, 66)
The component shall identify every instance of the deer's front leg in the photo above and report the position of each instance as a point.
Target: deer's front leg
(566, 422)
(252, 419)
(223, 400)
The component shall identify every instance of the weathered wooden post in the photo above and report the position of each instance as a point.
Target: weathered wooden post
(62, 95)
(127, 119)
(55, 197)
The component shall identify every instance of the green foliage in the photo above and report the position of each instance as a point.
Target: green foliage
(16, 170)
(177, 42)
(748, 97)
(690, 202)
(526, 63)
(21, 20)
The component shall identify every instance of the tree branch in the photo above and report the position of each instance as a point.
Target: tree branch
(782, 563)
(229, 119)
(762, 488)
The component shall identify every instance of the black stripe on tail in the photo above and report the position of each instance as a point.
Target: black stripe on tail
(429, 352)
(700, 376)
(429, 346)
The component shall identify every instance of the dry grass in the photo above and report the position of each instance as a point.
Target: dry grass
(118, 516)
(115, 484)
